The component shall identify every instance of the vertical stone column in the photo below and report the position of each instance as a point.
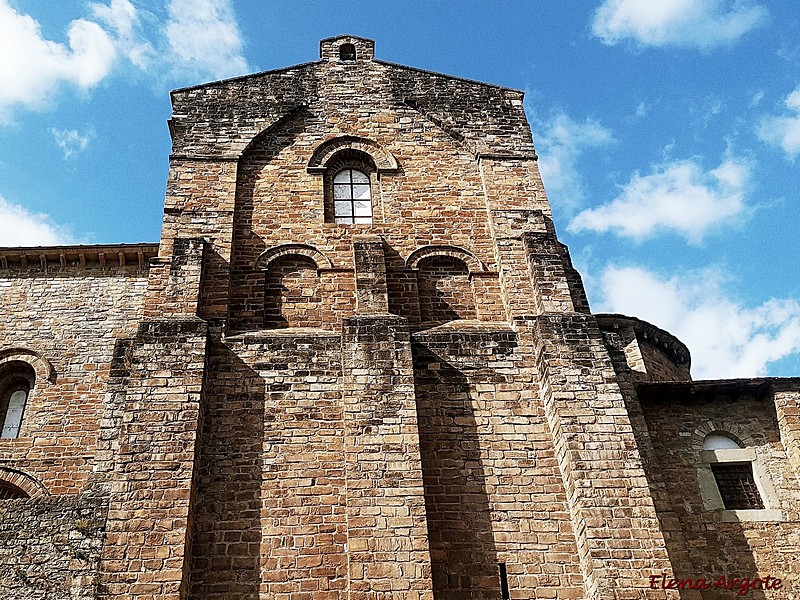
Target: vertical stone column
(619, 539)
(787, 409)
(388, 554)
(372, 296)
(515, 201)
(557, 285)
(146, 553)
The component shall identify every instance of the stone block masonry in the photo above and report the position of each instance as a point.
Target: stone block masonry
(271, 404)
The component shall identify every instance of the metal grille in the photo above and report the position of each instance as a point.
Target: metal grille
(737, 486)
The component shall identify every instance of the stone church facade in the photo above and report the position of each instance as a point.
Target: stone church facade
(360, 366)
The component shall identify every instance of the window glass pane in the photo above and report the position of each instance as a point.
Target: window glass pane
(717, 441)
(16, 406)
(342, 176)
(362, 219)
(362, 209)
(359, 177)
(343, 220)
(342, 191)
(361, 192)
(341, 209)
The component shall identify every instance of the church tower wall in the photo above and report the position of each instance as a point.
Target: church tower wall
(361, 366)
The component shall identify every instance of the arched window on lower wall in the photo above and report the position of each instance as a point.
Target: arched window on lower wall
(445, 289)
(733, 480)
(9, 491)
(292, 296)
(16, 382)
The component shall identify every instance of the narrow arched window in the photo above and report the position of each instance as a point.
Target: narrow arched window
(14, 412)
(16, 383)
(352, 197)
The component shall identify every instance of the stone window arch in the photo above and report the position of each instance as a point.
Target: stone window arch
(22, 373)
(351, 168)
(732, 478)
(17, 484)
(293, 295)
(9, 491)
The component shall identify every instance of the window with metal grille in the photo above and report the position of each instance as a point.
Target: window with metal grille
(737, 486)
(352, 198)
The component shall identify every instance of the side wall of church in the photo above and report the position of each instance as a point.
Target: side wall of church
(66, 319)
(711, 543)
(71, 321)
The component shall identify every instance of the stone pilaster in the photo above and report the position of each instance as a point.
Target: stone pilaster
(620, 543)
(372, 296)
(388, 553)
(146, 553)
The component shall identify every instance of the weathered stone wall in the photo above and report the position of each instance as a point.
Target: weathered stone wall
(270, 507)
(294, 409)
(50, 547)
(493, 490)
(68, 319)
(411, 208)
(710, 544)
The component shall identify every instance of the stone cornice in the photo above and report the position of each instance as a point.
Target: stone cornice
(128, 258)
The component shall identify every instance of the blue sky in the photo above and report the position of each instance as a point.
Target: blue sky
(669, 133)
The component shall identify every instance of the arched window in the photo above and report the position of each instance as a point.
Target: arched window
(347, 52)
(16, 382)
(9, 491)
(445, 289)
(352, 197)
(731, 465)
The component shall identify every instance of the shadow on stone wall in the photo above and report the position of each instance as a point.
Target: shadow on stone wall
(463, 553)
(698, 545)
(247, 283)
(227, 525)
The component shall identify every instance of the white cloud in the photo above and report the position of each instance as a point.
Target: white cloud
(756, 99)
(725, 338)
(784, 131)
(692, 23)
(32, 68)
(204, 38)
(122, 18)
(677, 196)
(200, 40)
(559, 147)
(70, 141)
(20, 227)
